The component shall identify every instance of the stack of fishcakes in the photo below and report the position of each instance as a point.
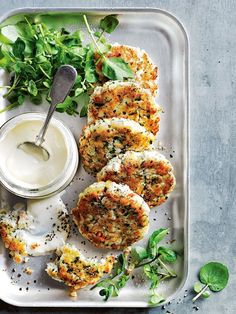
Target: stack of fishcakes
(117, 147)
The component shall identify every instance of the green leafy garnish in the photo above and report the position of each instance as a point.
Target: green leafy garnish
(112, 68)
(84, 100)
(156, 299)
(90, 70)
(116, 69)
(117, 280)
(167, 254)
(152, 260)
(213, 276)
(69, 106)
(18, 48)
(109, 23)
(32, 88)
(155, 238)
(198, 286)
(33, 56)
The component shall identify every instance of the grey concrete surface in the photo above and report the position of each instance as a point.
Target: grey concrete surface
(211, 26)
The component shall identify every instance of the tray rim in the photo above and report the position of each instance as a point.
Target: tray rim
(35, 10)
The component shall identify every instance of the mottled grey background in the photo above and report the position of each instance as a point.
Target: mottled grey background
(211, 26)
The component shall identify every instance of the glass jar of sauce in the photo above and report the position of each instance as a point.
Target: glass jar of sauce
(24, 174)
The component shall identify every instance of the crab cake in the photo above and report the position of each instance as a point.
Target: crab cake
(147, 173)
(111, 215)
(76, 271)
(125, 100)
(143, 68)
(107, 138)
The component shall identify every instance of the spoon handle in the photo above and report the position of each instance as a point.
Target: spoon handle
(63, 81)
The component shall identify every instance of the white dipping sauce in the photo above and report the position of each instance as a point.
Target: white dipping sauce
(24, 169)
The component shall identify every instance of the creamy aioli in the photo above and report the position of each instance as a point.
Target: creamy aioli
(41, 227)
(24, 169)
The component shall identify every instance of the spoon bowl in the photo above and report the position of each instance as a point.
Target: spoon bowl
(38, 152)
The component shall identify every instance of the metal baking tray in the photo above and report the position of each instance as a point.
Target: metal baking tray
(164, 38)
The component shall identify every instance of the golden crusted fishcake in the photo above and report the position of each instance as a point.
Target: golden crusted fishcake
(145, 72)
(111, 215)
(107, 138)
(124, 100)
(147, 173)
(77, 272)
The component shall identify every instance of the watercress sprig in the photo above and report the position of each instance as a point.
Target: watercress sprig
(33, 57)
(113, 68)
(151, 259)
(213, 276)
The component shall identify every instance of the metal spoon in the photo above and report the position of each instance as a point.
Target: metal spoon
(63, 81)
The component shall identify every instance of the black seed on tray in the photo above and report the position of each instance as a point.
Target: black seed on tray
(13, 270)
(19, 275)
(196, 308)
(20, 289)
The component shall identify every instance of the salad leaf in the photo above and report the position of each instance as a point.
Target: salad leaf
(32, 88)
(90, 70)
(167, 254)
(155, 238)
(116, 69)
(215, 275)
(69, 106)
(83, 101)
(156, 299)
(198, 286)
(138, 254)
(109, 23)
(18, 48)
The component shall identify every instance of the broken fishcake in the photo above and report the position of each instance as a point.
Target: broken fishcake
(76, 271)
(35, 230)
